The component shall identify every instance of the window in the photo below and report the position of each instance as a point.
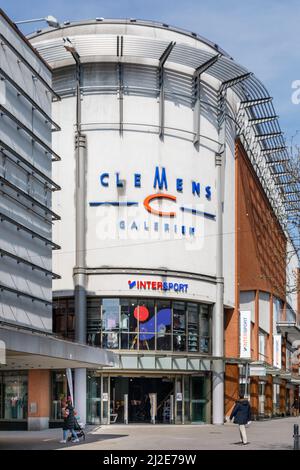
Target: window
(163, 325)
(94, 321)
(138, 324)
(179, 326)
(110, 321)
(13, 395)
(262, 339)
(193, 327)
(204, 345)
(64, 317)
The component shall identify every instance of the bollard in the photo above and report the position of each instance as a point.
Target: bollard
(296, 437)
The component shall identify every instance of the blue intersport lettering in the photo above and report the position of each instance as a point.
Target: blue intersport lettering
(158, 285)
(103, 179)
(160, 180)
(196, 188)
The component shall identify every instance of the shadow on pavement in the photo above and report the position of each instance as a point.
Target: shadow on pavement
(29, 443)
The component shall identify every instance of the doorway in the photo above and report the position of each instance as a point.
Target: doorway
(139, 391)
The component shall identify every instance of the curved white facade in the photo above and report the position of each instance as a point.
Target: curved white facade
(127, 161)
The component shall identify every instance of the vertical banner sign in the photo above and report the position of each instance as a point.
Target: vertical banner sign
(70, 384)
(277, 351)
(245, 333)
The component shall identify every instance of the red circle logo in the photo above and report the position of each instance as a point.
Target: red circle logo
(141, 313)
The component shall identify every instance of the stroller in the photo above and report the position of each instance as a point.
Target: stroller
(79, 431)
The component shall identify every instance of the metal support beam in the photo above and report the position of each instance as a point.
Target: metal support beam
(120, 97)
(22, 92)
(292, 192)
(162, 61)
(235, 80)
(29, 132)
(218, 312)
(263, 119)
(255, 102)
(32, 200)
(277, 162)
(4, 217)
(272, 150)
(33, 266)
(197, 94)
(34, 170)
(21, 59)
(270, 135)
(19, 293)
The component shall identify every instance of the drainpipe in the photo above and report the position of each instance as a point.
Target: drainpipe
(79, 274)
(218, 312)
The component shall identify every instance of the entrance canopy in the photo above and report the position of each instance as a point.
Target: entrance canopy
(35, 350)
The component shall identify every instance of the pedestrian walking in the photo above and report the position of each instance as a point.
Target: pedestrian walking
(241, 415)
(69, 422)
(295, 407)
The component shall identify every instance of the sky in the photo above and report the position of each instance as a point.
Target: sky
(262, 35)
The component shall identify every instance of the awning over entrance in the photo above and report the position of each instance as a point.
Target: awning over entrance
(161, 362)
(290, 328)
(27, 350)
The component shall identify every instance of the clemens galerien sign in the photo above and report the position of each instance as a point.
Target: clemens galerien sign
(168, 209)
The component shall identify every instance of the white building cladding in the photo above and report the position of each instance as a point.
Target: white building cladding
(157, 109)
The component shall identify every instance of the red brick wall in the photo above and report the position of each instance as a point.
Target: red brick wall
(231, 387)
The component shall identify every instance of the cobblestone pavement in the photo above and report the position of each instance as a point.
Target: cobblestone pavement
(276, 434)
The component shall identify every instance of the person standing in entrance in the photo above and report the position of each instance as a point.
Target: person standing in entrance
(241, 415)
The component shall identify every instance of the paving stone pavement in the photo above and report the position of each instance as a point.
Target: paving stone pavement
(276, 434)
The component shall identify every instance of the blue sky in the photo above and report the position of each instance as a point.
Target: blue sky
(263, 35)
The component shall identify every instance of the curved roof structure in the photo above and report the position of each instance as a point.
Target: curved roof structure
(137, 41)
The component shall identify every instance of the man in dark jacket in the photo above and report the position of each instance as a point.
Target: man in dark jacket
(242, 415)
(69, 422)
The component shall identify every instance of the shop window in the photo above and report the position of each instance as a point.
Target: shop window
(193, 327)
(60, 393)
(152, 324)
(163, 325)
(13, 395)
(179, 326)
(204, 343)
(94, 321)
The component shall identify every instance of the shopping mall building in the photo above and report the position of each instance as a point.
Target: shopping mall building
(175, 205)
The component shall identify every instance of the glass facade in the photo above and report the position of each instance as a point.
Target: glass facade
(149, 325)
(13, 395)
(59, 386)
(64, 317)
(179, 399)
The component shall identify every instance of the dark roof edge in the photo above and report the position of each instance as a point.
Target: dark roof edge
(138, 22)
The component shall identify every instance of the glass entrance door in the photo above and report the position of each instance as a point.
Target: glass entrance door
(200, 399)
(93, 399)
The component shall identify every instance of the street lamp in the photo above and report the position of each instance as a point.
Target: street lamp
(49, 19)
